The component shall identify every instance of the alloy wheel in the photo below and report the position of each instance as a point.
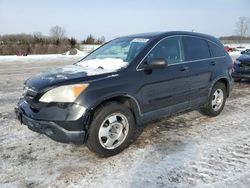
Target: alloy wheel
(113, 131)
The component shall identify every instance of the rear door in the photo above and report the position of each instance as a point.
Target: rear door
(165, 90)
(201, 67)
(219, 59)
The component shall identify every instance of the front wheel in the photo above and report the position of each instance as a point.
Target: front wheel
(111, 130)
(216, 101)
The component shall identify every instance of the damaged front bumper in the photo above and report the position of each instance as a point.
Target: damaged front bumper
(239, 75)
(69, 127)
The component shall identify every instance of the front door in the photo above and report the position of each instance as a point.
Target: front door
(165, 90)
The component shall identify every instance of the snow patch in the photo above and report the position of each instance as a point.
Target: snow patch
(75, 52)
(40, 58)
(106, 63)
(67, 53)
(81, 53)
(73, 69)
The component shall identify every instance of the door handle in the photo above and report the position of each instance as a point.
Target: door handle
(184, 68)
(213, 63)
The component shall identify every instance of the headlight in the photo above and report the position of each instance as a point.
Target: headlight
(67, 93)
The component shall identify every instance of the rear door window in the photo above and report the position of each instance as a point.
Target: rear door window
(195, 48)
(216, 50)
(170, 49)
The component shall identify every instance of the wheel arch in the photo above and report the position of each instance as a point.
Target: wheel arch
(223, 80)
(125, 99)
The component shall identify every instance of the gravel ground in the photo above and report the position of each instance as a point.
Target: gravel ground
(188, 150)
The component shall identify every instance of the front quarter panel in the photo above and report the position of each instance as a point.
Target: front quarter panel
(120, 84)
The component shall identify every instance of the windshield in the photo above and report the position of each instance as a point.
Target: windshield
(117, 53)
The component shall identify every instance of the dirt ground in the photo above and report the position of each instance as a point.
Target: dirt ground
(189, 150)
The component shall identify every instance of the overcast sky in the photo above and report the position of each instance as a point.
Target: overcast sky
(112, 18)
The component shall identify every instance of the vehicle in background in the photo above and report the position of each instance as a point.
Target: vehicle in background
(229, 49)
(242, 66)
(235, 49)
(241, 48)
(232, 49)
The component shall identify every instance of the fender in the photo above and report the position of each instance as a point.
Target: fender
(216, 80)
(110, 97)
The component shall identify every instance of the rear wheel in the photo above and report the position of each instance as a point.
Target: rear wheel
(111, 130)
(216, 101)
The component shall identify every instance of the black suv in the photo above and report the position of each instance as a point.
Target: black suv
(242, 67)
(102, 99)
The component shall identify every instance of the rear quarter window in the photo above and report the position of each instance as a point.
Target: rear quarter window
(195, 48)
(216, 50)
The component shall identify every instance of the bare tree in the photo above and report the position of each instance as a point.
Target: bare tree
(101, 40)
(89, 40)
(72, 42)
(58, 32)
(92, 40)
(242, 27)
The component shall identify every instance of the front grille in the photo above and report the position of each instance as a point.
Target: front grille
(245, 66)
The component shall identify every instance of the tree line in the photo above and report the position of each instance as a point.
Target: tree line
(235, 38)
(37, 43)
(58, 42)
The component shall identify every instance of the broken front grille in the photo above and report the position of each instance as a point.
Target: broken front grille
(245, 66)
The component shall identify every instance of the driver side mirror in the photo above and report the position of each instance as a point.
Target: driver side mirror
(243, 52)
(158, 63)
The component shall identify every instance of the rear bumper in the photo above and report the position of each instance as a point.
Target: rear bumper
(52, 129)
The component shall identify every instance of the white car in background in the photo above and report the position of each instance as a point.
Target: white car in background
(241, 48)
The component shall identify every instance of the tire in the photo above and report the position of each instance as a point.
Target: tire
(216, 101)
(112, 129)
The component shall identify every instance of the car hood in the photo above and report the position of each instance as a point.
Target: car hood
(80, 72)
(244, 58)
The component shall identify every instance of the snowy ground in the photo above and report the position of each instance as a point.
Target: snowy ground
(188, 150)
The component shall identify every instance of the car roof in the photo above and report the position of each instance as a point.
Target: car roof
(155, 35)
(145, 35)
